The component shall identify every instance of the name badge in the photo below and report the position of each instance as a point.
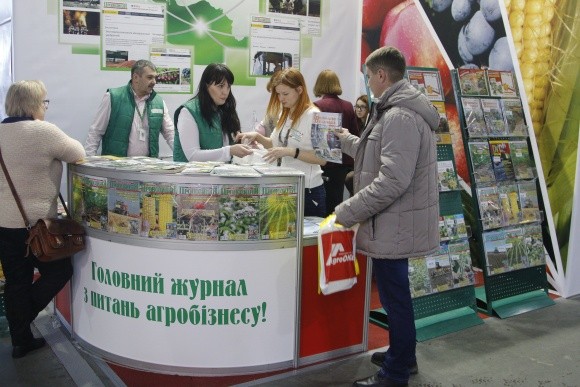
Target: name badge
(156, 111)
(141, 134)
(296, 135)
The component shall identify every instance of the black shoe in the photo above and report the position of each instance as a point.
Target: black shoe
(19, 351)
(378, 380)
(378, 357)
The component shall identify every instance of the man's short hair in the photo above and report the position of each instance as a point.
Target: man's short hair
(390, 60)
(138, 67)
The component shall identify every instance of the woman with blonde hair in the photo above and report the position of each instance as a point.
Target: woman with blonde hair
(33, 151)
(290, 143)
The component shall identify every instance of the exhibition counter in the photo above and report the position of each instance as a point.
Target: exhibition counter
(182, 269)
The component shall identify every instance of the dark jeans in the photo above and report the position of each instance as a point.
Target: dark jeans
(334, 186)
(315, 201)
(23, 298)
(392, 276)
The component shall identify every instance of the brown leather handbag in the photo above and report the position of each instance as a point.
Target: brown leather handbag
(50, 239)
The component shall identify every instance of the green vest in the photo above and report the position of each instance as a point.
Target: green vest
(116, 139)
(210, 136)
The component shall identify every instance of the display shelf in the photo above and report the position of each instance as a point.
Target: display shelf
(520, 289)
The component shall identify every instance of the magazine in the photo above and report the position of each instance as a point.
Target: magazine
(461, 268)
(278, 203)
(95, 201)
(514, 118)
(510, 204)
(493, 117)
(200, 167)
(419, 277)
(496, 259)
(473, 82)
(534, 244)
(273, 170)
(529, 201)
(427, 82)
(503, 168)
(447, 175)
(439, 269)
(443, 229)
(474, 121)
(124, 207)
(502, 84)
(324, 141)
(515, 248)
(197, 209)
(233, 170)
(481, 162)
(239, 208)
(456, 228)
(442, 132)
(489, 207)
(523, 166)
(158, 210)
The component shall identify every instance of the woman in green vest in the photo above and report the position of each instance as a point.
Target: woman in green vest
(208, 123)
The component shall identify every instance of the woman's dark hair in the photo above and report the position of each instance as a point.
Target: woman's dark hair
(217, 73)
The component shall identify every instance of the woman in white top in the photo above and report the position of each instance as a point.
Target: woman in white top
(290, 143)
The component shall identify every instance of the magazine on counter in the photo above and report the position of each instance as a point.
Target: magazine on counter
(197, 212)
(124, 207)
(324, 140)
(239, 212)
(278, 205)
(158, 210)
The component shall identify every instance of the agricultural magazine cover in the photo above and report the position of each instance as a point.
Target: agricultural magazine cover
(496, 259)
(278, 204)
(515, 248)
(473, 82)
(513, 114)
(419, 277)
(439, 269)
(474, 121)
(502, 84)
(461, 268)
(529, 201)
(426, 81)
(510, 203)
(534, 244)
(239, 212)
(324, 141)
(489, 207)
(124, 207)
(447, 175)
(523, 165)
(456, 228)
(94, 198)
(443, 229)
(501, 158)
(442, 132)
(481, 162)
(493, 117)
(197, 207)
(158, 210)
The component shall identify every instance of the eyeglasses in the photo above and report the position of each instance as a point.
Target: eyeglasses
(46, 102)
(360, 107)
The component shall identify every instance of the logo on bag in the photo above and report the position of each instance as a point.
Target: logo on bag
(338, 255)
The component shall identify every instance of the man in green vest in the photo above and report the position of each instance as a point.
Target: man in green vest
(131, 117)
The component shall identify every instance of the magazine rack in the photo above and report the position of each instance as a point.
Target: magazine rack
(440, 310)
(516, 288)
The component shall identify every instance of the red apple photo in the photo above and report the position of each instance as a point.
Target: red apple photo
(374, 12)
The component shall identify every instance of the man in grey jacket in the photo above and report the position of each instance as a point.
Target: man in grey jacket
(396, 201)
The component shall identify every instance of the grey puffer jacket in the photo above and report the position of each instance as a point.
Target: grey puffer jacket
(396, 198)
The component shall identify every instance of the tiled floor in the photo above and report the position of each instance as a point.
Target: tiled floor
(538, 348)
